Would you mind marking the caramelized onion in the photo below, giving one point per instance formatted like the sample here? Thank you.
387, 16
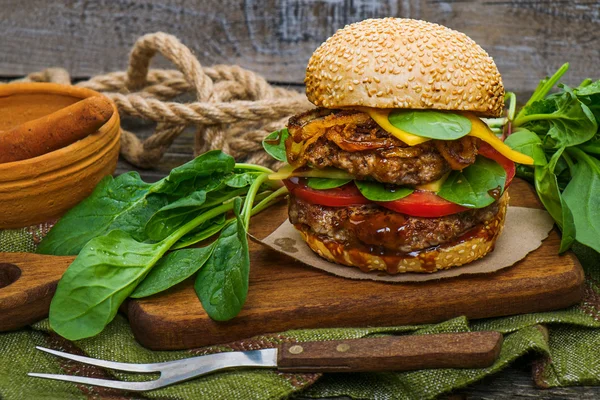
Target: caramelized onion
458, 153
402, 152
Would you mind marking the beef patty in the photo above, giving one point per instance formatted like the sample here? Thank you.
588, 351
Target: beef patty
383, 230
351, 140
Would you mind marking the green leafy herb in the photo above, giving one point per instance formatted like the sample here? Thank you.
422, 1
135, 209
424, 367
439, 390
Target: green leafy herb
172, 216
582, 195
127, 203
104, 274
207, 169
547, 189
107, 270
189, 205
164, 221
222, 285
326, 183
122, 203
544, 87
528, 143
172, 269
274, 144
477, 186
376, 191
591, 147
588, 88
569, 232
570, 123
241, 180
431, 124
566, 124
201, 233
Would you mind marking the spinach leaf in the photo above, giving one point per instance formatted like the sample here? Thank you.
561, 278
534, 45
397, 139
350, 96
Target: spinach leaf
528, 143
222, 284
589, 94
525, 172
431, 124
241, 180
127, 203
102, 276
105, 272
173, 215
204, 232
376, 191
544, 88
172, 269
587, 88
116, 203
568, 229
547, 189
573, 123
569, 124
592, 146
582, 195
476, 186
274, 144
205, 170
326, 183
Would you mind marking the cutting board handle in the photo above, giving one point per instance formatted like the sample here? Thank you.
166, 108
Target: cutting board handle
393, 353
27, 284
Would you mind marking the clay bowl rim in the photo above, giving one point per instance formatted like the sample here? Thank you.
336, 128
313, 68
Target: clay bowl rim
49, 162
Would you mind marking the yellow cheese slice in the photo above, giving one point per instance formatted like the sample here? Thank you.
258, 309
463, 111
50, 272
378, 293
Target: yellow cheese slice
478, 129
434, 186
380, 115
288, 171
482, 131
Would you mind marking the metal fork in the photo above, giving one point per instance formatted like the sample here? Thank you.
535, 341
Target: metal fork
391, 353
170, 372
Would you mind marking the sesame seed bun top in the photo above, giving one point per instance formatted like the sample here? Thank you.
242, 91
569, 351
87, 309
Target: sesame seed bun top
404, 63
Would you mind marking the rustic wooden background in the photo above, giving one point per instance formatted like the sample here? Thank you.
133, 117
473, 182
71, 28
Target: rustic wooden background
528, 39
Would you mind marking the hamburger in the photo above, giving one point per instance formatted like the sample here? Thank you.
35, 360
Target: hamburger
395, 170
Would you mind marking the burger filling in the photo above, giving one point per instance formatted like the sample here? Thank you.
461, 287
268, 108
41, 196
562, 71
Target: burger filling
392, 181
352, 141
381, 230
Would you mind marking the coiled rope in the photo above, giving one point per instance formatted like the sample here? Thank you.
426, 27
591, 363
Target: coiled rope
234, 108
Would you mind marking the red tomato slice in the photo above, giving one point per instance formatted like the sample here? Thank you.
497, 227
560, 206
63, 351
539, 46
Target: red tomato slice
489, 152
346, 195
423, 204
419, 203
430, 205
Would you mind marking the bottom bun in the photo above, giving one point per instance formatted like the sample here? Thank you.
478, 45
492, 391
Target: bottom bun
474, 244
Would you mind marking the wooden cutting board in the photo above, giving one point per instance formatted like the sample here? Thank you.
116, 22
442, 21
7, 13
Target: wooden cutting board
285, 294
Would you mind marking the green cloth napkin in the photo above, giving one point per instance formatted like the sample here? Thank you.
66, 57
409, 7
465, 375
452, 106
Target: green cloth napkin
567, 342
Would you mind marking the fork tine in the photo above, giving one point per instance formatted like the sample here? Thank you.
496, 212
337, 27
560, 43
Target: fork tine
103, 363
131, 386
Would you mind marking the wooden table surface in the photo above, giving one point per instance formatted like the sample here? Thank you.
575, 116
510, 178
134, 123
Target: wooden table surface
513, 382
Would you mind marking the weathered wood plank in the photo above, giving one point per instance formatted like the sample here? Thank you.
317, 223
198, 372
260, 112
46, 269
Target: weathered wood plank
528, 39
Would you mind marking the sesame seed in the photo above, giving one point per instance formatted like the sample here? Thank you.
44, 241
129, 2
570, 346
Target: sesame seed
398, 45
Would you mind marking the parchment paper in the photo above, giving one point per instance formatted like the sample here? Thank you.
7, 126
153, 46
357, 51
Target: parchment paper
524, 230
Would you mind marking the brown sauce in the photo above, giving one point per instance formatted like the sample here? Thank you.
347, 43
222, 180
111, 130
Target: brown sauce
495, 193
356, 251
19, 108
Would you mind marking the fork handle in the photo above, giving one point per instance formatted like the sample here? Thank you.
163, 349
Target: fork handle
392, 353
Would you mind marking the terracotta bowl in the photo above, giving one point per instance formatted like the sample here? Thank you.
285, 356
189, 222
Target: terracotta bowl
45, 187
